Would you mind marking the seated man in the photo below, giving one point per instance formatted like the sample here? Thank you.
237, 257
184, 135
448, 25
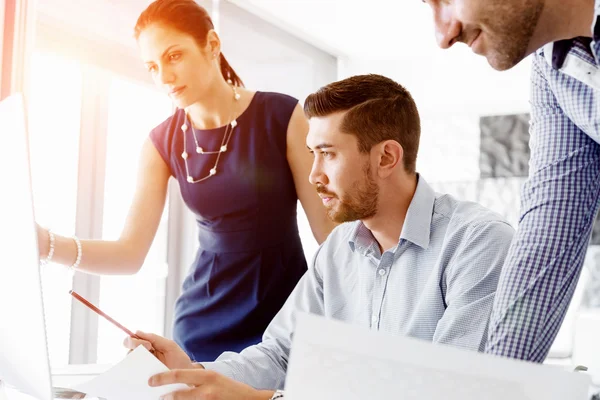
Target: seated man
405, 260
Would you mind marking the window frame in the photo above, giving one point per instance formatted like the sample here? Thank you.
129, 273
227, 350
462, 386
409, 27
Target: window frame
16, 42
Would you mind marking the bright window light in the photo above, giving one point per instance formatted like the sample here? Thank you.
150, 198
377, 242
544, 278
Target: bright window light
54, 124
137, 301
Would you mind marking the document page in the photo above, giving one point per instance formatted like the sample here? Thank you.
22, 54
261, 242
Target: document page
128, 380
334, 360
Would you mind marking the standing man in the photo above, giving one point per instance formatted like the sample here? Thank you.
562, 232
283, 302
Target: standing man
559, 201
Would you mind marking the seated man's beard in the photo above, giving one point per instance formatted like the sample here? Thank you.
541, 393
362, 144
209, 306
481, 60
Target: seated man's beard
360, 202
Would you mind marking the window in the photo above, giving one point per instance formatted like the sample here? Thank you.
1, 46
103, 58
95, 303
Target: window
54, 124
138, 301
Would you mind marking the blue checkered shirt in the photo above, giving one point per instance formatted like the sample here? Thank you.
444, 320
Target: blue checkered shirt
437, 284
559, 201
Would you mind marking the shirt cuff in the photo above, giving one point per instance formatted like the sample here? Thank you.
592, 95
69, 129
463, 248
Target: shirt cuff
219, 367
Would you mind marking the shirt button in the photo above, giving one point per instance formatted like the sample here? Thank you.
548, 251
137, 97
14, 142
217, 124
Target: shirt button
381, 271
374, 319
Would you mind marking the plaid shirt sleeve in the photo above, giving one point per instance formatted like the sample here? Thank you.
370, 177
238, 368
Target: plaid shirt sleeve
558, 206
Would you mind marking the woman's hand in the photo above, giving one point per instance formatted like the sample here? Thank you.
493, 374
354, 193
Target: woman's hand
167, 351
43, 239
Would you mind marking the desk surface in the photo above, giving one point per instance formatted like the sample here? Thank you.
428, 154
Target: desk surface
74, 374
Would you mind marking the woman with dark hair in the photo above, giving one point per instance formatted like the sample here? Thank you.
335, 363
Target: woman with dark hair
241, 163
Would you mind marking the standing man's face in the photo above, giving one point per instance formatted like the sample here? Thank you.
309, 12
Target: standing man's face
500, 30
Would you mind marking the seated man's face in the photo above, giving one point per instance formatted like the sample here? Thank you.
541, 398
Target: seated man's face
342, 175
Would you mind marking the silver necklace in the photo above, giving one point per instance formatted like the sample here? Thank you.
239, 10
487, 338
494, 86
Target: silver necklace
199, 150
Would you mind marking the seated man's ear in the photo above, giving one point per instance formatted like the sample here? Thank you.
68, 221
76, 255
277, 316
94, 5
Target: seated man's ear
390, 155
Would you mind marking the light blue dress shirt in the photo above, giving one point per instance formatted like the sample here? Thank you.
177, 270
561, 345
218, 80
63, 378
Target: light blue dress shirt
437, 284
559, 201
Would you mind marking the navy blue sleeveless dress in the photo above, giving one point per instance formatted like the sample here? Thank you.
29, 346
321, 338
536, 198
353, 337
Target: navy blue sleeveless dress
250, 256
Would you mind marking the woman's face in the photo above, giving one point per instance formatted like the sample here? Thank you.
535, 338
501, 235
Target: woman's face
178, 65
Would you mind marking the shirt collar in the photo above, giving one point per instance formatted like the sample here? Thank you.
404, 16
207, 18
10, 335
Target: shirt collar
417, 224
596, 22
560, 50
361, 238
557, 51
596, 31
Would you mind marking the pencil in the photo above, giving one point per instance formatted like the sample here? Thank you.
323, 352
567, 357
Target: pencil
101, 313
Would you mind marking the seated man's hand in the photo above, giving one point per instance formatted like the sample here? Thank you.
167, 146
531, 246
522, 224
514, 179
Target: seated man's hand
167, 351
205, 385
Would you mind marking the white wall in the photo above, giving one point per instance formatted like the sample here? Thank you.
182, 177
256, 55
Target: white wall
451, 81
351, 27
268, 58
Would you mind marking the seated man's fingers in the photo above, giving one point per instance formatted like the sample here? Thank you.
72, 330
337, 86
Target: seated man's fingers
158, 342
132, 343
184, 394
152, 351
191, 377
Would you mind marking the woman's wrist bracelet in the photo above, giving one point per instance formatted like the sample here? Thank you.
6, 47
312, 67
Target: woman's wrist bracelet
50, 248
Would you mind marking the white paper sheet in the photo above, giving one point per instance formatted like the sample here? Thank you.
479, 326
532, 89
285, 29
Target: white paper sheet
128, 380
334, 360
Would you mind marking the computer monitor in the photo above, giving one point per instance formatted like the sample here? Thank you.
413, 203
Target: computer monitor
24, 361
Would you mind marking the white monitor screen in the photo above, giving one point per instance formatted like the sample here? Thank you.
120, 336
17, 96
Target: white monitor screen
23, 347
